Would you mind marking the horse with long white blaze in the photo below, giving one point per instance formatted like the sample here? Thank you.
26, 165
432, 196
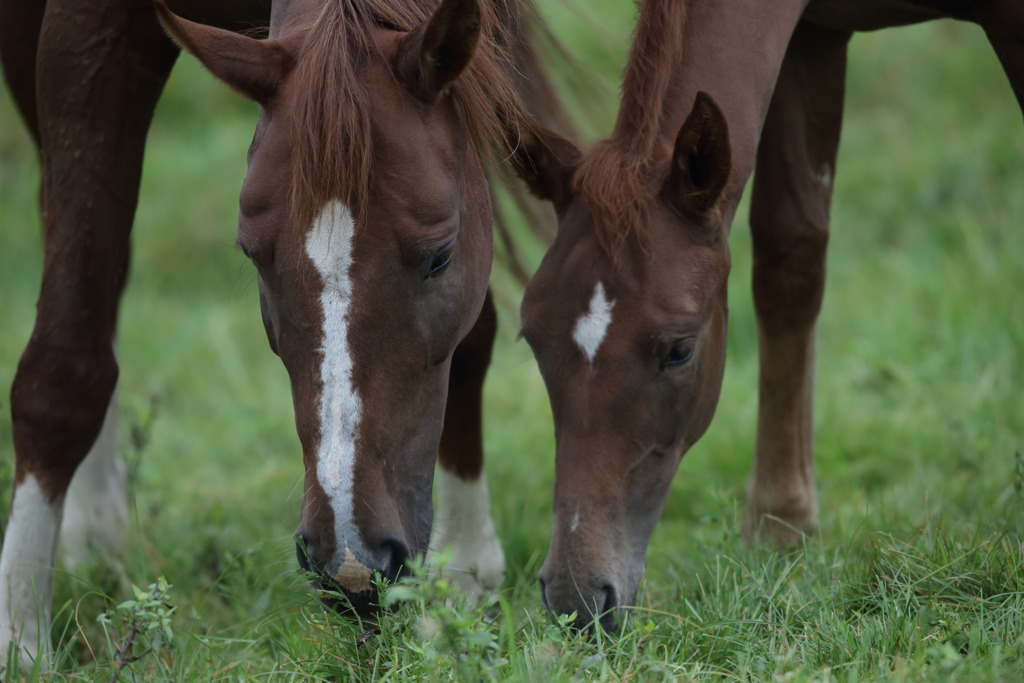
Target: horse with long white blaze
627, 312
366, 213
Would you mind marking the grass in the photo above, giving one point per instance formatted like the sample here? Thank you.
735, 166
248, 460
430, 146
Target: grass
918, 572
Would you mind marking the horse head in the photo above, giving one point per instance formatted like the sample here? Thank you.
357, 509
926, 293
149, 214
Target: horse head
365, 211
626, 316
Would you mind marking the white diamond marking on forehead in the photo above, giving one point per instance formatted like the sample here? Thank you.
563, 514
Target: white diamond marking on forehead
329, 247
592, 326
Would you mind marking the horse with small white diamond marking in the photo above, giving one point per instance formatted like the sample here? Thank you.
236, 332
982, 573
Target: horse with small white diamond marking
632, 347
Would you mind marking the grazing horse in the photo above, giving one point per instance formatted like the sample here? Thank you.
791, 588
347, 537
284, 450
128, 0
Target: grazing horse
627, 313
366, 212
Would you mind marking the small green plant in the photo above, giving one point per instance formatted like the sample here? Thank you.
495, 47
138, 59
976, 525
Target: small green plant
143, 628
449, 633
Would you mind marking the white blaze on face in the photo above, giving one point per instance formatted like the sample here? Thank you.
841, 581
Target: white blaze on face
592, 326
329, 247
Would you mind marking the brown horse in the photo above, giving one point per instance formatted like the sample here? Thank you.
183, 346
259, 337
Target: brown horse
627, 313
366, 213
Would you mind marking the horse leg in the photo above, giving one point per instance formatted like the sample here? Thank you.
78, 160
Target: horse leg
96, 511
96, 505
789, 221
1003, 22
101, 66
463, 517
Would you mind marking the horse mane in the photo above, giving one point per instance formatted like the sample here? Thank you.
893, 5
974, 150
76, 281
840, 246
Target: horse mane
617, 180
332, 128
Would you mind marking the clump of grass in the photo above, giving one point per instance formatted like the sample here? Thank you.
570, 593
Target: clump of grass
430, 631
444, 631
427, 630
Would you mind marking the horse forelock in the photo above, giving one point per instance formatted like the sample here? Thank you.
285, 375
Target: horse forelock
619, 179
615, 187
332, 127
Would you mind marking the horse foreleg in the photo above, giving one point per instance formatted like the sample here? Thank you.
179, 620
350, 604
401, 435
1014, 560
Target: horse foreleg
101, 66
96, 506
462, 520
789, 220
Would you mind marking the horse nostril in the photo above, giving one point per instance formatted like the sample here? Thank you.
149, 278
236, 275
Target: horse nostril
394, 551
543, 593
609, 601
607, 614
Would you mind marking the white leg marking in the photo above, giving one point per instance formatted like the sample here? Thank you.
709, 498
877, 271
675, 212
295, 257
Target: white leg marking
26, 572
329, 247
592, 326
463, 521
96, 506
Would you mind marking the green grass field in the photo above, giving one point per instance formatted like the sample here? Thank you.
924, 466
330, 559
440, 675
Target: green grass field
918, 572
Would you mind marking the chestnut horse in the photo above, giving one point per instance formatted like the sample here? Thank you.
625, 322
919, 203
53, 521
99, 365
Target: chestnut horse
366, 213
627, 312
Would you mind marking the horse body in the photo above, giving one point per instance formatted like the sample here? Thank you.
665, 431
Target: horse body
366, 213
712, 90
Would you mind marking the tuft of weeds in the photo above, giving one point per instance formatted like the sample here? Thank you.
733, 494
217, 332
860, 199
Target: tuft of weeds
446, 632
138, 628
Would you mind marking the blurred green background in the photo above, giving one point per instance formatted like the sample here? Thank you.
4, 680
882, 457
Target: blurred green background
920, 413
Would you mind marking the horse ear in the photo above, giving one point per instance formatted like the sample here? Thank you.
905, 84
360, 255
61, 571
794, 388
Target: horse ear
434, 53
255, 68
546, 162
702, 159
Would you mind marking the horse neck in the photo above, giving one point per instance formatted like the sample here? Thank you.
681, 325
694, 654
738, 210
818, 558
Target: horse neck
733, 50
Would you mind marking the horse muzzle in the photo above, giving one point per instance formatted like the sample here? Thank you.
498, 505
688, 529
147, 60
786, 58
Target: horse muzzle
595, 600
347, 581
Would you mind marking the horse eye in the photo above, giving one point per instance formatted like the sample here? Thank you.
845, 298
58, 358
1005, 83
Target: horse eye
680, 353
440, 262
260, 256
